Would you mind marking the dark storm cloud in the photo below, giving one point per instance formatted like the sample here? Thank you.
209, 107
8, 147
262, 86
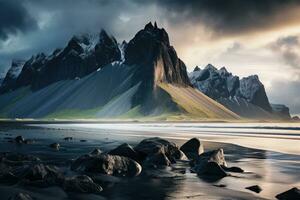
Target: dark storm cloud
288, 48
14, 18
55, 21
229, 16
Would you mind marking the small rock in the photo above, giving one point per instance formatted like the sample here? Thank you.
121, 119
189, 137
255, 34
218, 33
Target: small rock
21, 196
291, 194
29, 141
125, 150
233, 169
96, 151
254, 188
192, 148
220, 185
68, 138
55, 146
82, 184
19, 139
82, 140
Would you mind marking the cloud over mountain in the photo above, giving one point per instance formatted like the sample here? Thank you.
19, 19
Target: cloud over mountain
14, 18
231, 16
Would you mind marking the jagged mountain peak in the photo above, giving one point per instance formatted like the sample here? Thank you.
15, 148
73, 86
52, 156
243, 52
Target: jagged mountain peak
104, 37
9, 82
252, 89
220, 84
150, 51
16, 68
223, 71
210, 67
155, 33
40, 57
196, 69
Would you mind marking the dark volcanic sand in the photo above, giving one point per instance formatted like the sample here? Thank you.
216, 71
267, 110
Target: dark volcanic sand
274, 172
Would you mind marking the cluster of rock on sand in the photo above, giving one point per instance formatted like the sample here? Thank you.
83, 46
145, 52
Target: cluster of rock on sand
123, 161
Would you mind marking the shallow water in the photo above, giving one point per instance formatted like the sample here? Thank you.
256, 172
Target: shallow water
269, 153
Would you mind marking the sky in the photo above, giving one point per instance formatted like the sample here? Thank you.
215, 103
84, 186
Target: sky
246, 36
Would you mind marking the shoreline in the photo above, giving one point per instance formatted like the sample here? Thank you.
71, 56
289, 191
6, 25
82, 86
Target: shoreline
133, 121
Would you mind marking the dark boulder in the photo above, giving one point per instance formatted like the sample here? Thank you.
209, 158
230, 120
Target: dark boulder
125, 150
157, 160
291, 194
212, 156
68, 138
38, 175
192, 148
107, 164
19, 139
211, 169
55, 146
254, 188
151, 146
210, 164
81, 184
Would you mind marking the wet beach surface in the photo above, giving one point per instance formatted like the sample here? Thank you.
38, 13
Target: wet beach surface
274, 172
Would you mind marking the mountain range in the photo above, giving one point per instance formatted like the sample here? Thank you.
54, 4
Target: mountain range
94, 76
246, 97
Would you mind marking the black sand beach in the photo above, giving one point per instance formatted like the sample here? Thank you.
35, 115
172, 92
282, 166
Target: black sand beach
274, 172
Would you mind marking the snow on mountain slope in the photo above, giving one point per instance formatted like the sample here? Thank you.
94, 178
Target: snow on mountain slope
195, 103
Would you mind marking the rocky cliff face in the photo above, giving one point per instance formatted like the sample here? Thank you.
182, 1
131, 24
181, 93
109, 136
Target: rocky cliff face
82, 55
155, 61
151, 52
281, 110
9, 81
232, 92
215, 83
254, 91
